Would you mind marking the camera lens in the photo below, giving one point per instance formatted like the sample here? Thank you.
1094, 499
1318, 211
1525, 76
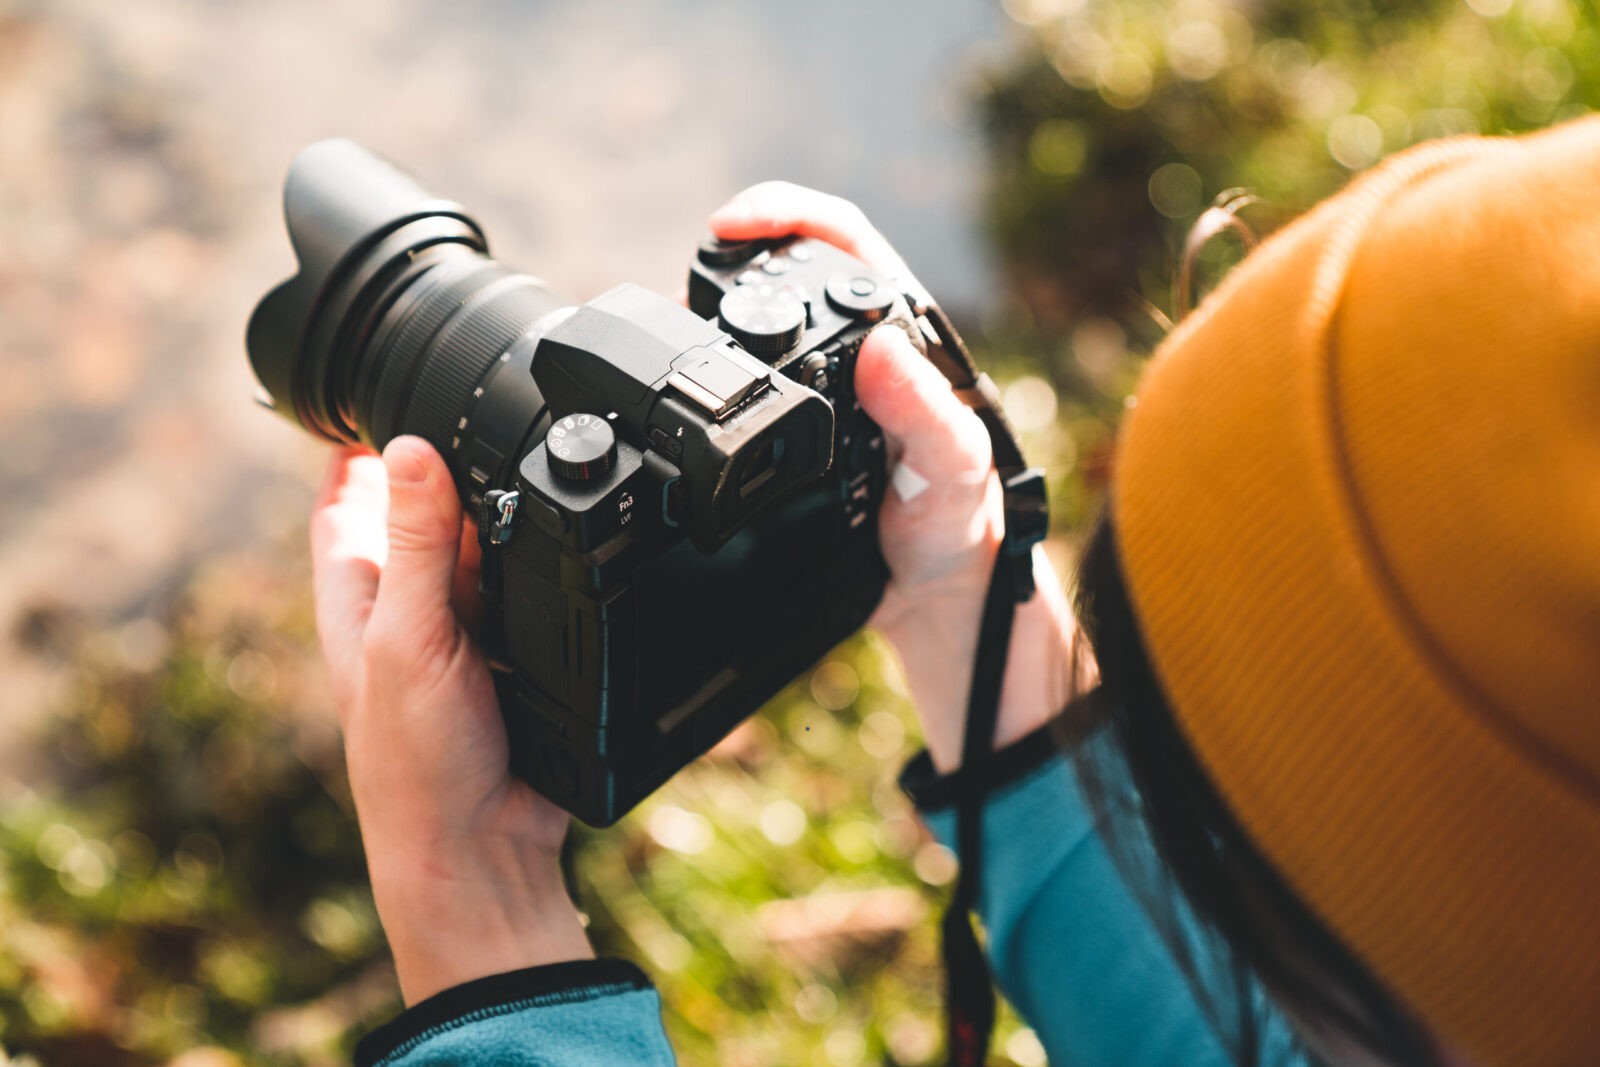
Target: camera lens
437, 342
398, 321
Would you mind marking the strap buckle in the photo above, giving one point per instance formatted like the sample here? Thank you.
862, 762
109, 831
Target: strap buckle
1027, 507
503, 515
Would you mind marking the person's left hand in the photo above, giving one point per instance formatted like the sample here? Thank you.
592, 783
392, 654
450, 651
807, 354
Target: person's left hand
464, 858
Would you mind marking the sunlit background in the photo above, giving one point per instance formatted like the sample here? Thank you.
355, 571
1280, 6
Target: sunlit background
180, 880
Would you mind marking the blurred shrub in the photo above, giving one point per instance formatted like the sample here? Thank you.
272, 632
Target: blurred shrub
1113, 122
194, 880
193, 877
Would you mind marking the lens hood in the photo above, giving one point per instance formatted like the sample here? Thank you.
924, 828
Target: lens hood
355, 221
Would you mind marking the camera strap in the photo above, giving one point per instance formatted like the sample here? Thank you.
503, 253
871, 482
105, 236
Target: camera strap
969, 985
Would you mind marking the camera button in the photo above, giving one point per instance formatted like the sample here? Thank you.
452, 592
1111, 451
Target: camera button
860, 295
767, 320
665, 441
715, 252
545, 516
814, 372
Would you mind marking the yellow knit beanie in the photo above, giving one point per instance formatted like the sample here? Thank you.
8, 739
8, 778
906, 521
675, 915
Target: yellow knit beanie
1358, 507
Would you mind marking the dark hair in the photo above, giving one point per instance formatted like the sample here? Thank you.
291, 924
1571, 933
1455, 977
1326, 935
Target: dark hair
1229, 917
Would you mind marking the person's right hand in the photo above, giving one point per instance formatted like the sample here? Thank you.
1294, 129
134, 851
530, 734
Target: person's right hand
941, 527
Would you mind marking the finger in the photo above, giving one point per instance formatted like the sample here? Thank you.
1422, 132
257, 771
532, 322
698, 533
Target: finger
775, 209
934, 433
465, 600
412, 610
347, 553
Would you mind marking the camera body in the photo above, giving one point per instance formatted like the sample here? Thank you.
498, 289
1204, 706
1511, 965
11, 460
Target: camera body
635, 638
677, 506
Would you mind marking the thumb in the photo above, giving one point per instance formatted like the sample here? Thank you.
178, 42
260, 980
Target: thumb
937, 435
424, 544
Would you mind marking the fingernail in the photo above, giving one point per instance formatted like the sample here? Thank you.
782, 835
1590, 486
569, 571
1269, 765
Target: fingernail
733, 211
898, 346
895, 334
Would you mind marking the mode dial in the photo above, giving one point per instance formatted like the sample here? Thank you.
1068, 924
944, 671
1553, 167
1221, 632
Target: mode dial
581, 448
766, 318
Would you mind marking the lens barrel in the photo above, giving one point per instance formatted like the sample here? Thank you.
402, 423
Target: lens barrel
397, 318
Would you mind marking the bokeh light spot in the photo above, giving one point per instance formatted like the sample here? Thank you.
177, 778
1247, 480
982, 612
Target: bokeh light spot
935, 864
1125, 80
1175, 190
835, 685
1025, 1048
1059, 147
1031, 403
1355, 141
815, 1003
682, 831
1197, 49
783, 822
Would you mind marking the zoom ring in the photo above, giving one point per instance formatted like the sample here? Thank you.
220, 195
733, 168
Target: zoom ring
413, 341
465, 349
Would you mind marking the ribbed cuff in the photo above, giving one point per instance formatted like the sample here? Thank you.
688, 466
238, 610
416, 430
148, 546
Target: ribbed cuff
932, 791
565, 983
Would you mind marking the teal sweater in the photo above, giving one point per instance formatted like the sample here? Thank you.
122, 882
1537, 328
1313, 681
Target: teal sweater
1071, 948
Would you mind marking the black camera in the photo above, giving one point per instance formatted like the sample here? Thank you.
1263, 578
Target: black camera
677, 506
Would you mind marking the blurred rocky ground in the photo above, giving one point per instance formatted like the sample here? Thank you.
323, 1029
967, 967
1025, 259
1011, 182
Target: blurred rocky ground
141, 151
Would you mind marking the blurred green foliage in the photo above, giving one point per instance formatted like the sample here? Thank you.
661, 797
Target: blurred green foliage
191, 887
194, 883
194, 877
1115, 121
1112, 124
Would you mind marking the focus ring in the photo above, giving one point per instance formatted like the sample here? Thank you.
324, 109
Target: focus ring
412, 341
462, 353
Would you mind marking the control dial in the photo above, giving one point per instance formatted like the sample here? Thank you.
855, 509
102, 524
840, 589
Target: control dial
715, 252
767, 319
581, 448
860, 295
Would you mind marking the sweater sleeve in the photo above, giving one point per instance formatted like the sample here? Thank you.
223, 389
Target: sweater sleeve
588, 1013
1071, 947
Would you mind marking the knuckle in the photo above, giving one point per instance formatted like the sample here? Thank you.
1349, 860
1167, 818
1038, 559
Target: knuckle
322, 528
411, 648
422, 526
971, 440
418, 536
771, 196
382, 645
851, 216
